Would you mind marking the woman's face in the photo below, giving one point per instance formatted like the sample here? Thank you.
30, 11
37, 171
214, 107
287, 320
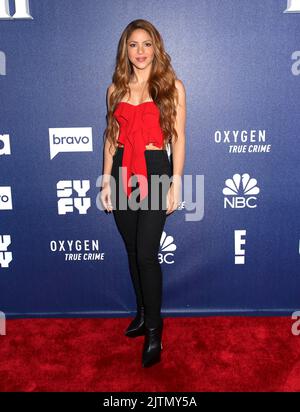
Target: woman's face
140, 48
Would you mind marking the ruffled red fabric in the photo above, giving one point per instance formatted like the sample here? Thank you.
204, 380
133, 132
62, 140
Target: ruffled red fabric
138, 126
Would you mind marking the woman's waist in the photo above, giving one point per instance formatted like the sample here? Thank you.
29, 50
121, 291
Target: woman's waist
155, 155
149, 146
156, 161
153, 152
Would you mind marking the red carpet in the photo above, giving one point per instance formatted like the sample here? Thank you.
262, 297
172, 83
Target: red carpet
199, 354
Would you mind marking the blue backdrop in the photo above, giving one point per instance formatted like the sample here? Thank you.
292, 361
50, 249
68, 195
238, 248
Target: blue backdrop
233, 247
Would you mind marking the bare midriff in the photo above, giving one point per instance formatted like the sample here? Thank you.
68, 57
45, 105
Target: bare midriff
150, 146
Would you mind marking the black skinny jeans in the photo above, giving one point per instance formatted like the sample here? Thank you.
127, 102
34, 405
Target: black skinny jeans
141, 231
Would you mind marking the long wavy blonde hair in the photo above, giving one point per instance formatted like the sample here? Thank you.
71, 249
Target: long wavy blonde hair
161, 83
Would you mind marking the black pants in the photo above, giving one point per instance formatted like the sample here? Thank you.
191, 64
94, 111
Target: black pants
141, 230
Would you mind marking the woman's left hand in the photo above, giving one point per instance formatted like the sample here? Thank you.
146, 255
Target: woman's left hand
173, 197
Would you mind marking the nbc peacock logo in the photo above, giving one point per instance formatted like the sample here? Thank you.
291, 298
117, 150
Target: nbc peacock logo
167, 249
240, 191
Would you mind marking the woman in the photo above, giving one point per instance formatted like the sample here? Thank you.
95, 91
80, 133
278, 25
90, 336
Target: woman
146, 112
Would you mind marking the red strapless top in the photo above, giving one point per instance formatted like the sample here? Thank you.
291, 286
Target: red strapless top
138, 126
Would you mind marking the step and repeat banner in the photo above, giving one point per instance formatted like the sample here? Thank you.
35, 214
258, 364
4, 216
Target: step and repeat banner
232, 247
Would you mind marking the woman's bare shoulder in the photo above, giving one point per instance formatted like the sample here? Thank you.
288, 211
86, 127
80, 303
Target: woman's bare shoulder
181, 92
110, 89
180, 86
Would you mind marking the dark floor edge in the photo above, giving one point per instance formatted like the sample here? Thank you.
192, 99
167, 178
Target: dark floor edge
167, 313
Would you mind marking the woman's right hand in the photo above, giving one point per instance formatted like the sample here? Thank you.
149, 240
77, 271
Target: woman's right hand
105, 197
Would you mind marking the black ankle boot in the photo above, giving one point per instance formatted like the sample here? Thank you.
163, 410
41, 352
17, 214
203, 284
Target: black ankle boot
152, 345
137, 326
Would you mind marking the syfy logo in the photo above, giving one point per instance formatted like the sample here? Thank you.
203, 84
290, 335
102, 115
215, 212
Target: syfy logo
21, 10
239, 253
233, 188
167, 247
2, 64
5, 198
5, 256
293, 6
4, 144
67, 203
70, 139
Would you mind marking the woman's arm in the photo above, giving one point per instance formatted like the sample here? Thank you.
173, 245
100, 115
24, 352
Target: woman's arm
174, 196
108, 157
178, 147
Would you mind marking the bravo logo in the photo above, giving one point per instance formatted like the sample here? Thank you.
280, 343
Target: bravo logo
239, 192
5, 198
22, 10
70, 139
4, 144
